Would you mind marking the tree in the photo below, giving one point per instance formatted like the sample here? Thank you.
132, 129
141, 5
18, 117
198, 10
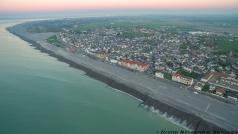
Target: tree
206, 87
168, 76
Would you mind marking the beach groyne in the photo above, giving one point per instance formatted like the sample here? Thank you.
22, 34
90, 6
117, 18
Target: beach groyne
192, 121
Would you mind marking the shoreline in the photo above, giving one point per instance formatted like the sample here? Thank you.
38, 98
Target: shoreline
196, 123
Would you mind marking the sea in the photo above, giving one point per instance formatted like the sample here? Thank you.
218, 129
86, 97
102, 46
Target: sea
41, 95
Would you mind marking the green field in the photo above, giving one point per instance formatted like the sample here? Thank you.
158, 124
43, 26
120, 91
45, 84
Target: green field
54, 41
226, 45
188, 74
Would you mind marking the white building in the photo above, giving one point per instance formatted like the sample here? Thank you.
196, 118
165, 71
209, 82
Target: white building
199, 85
159, 75
182, 79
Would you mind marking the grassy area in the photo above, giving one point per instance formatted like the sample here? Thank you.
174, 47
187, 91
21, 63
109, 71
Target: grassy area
120, 23
152, 25
88, 27
45, 26
206, 87
188, 74
42, 29
131, 34
174, 24
226, 45
183, 46
168, 76
54, 41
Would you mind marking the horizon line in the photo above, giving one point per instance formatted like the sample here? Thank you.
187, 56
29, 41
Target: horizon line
115, 12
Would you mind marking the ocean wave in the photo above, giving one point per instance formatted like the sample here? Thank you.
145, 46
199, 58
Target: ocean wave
175, 120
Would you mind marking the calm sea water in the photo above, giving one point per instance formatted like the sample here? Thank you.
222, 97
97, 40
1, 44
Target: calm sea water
40, 95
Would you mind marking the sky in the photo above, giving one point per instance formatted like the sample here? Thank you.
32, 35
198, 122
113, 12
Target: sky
67, 5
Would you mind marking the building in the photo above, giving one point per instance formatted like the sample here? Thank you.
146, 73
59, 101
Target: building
72, 49
229, 82
159, 75
212, 88
199, 86
188, 69
102, 56
182, 79
220, 91
207, 77
113, 61
134, 65
224, 81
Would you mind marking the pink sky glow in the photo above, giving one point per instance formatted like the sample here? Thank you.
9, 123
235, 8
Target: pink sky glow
62, 5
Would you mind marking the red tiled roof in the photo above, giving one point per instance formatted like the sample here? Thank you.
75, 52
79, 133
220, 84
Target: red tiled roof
220, 90
135, 62
215, 74
181, 76
208, 75
176, 74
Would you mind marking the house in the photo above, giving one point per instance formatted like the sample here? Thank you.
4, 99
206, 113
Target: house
224, 80
72, 49
113, 61
159, 75
212, 88
102, 56
160, 68
188, 69
229, 82
220, 91
207, 77
199, 86
182, 79
134, 65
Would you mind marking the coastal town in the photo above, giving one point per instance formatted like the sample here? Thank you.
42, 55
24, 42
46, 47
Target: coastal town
119, 66
175, 70
190, 58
